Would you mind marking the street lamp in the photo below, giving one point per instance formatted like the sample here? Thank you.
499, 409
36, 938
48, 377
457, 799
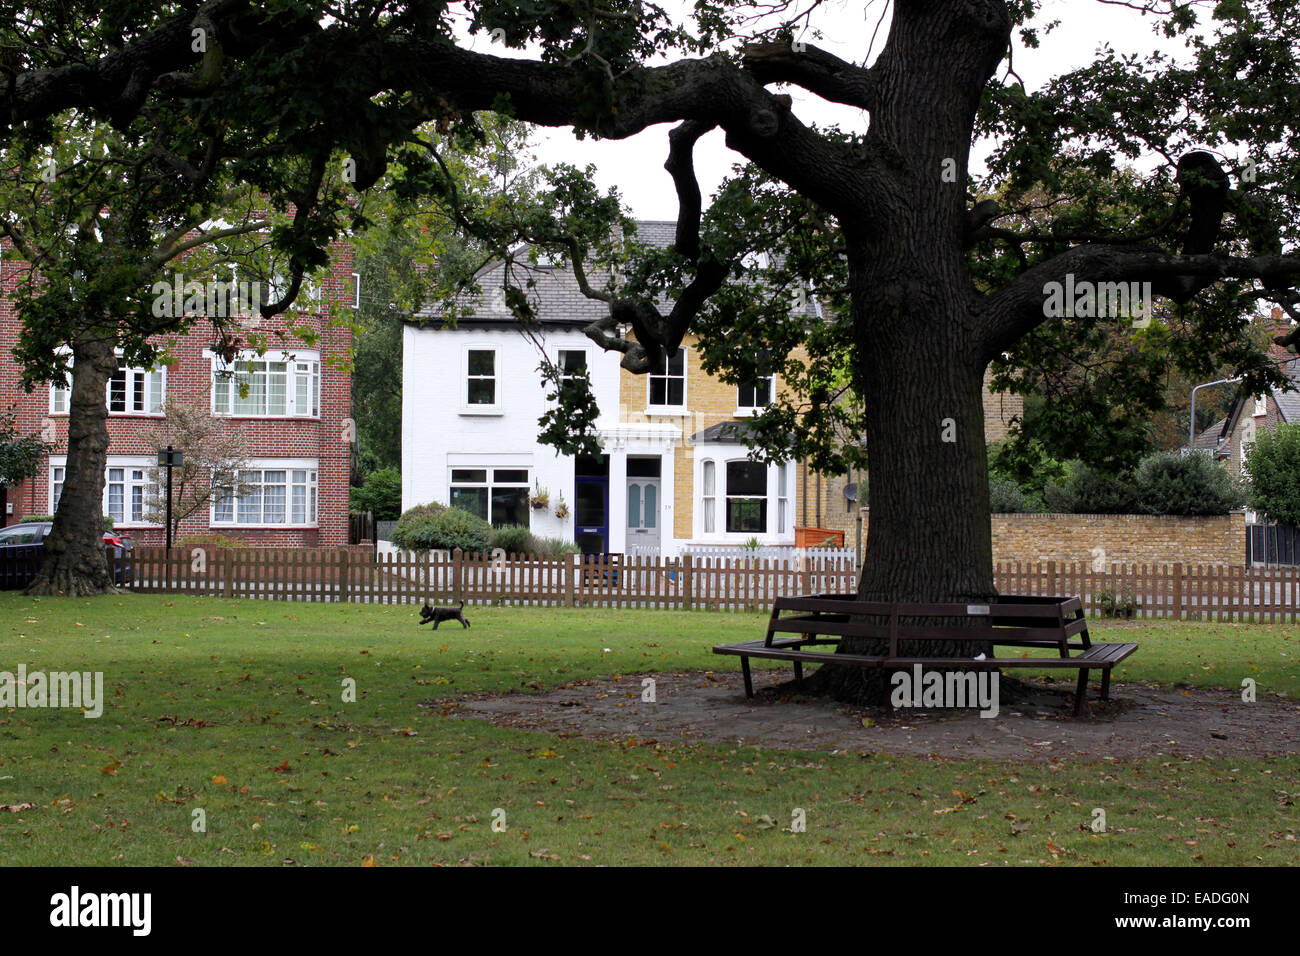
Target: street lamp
1191, 430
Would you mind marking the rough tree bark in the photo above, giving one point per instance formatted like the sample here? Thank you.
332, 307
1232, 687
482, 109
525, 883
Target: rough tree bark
74, 561
921, 342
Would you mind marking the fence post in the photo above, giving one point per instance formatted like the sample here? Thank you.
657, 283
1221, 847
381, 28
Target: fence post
1178, 590
570, 570
456, 558
1051, 578
688, 582
227, 573
345, 576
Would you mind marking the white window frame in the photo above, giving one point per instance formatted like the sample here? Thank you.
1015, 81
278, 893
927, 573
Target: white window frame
709, 496
1261, 405
710, 512
131, 483
497, 379
61, 396
653, 409
745, 410
490, 481
310, 483
298, 365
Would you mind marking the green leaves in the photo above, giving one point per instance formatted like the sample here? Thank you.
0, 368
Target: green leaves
1273, 462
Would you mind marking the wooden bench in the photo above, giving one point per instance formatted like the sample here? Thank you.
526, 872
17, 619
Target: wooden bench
1014, 621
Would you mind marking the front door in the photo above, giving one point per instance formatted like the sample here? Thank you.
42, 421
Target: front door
642, 514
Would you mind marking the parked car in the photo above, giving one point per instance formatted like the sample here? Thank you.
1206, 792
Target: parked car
22, 549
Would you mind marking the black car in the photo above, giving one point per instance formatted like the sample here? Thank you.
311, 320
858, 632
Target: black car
22, 549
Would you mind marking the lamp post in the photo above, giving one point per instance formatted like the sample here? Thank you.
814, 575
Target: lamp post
1191, 430
170, 458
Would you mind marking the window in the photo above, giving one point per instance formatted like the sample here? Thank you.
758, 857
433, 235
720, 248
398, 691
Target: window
497, 495
755, 396
709, 498
782, 497
1261, 405
481, 385
266, 387
283, 495
136, 391
130, 391
746, 497
669, 389
129, 495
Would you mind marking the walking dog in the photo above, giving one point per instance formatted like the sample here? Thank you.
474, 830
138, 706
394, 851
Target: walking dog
439, 614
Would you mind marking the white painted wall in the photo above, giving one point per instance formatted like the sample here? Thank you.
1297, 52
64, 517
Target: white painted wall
440, 430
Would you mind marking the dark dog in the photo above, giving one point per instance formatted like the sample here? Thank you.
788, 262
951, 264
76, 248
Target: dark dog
439, 614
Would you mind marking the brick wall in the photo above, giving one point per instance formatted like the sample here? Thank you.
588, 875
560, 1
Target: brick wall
1125, 539
189, 380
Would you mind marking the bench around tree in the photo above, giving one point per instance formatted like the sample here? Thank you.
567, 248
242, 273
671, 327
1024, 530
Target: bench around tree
1015, 621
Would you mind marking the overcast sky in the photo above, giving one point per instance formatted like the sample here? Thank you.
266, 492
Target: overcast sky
635, 165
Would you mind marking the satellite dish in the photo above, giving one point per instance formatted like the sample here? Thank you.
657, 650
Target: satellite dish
851, 491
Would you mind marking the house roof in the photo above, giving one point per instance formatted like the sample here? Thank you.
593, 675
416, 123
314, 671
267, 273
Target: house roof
1288, 403
1210, 439
555, 295
724, 433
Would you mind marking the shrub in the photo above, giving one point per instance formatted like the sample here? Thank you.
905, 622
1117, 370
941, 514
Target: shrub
1086, 491
380, 493
413, 521
1273, 462
444, 529
213, 540
1007, 497
1195, 484
555, 547
513, 539
1123, 604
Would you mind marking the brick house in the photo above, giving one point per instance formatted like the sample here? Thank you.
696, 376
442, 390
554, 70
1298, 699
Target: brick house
673, 470
295, 419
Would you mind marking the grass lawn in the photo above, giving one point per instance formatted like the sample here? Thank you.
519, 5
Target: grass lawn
235, 708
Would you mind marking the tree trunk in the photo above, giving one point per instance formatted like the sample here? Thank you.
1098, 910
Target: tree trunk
74, 561
921, 369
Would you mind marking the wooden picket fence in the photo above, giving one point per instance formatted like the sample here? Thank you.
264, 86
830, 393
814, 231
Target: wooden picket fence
1176, 592
304, 574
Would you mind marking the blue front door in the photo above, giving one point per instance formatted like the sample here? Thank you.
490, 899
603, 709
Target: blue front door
591, 514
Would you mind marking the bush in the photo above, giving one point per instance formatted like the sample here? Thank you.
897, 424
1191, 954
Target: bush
1273, 462
413, 522
1122, 604
441, 528
380, 493
513, 539
1007, 497
1086, 491
213, 540
1195, 484
555, 547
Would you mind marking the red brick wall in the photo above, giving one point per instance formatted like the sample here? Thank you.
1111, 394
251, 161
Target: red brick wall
189, 380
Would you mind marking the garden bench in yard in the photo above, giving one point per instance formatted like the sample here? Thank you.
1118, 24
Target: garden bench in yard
1021, 621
